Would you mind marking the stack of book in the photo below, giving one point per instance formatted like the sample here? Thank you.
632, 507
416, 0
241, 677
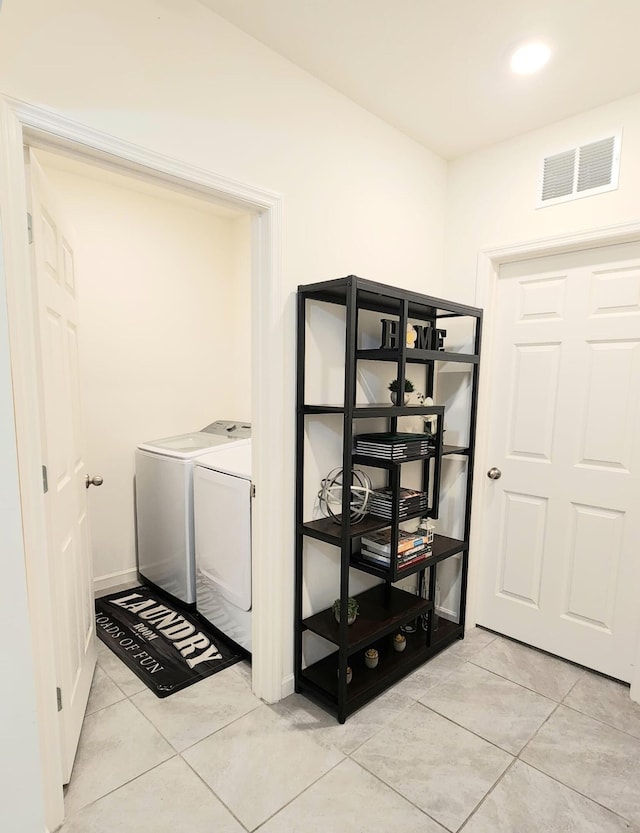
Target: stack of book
393, 446
375, 547
410, 503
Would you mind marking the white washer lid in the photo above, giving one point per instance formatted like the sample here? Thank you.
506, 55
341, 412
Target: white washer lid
185, 446
234, 459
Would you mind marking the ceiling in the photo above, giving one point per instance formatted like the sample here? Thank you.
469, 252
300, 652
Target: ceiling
438, 69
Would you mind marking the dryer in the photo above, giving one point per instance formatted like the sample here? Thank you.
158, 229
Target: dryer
222, 493
164, 504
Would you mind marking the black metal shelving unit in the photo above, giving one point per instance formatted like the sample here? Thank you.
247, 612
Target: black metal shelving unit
384, 609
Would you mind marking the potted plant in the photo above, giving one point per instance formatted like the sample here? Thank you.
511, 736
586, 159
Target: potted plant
349, 674
371, 657
399, 642
352, 610
393, 387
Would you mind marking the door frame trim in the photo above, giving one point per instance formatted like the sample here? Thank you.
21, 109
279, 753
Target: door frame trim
489, 262
22, 123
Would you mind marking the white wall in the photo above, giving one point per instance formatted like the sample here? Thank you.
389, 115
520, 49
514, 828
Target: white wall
492, 194
359, 197
164, 298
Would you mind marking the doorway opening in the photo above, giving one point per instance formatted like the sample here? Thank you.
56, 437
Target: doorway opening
164, 287
23, 124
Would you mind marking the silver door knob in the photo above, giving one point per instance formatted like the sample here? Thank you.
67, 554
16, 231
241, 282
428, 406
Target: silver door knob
93, 481
494, 473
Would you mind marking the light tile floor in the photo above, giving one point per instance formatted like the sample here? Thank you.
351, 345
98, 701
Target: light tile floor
489, 737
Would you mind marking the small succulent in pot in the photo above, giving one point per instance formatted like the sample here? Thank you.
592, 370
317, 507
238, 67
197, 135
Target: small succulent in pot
393, 387
352, 610
408, 386
371, 657
399, 642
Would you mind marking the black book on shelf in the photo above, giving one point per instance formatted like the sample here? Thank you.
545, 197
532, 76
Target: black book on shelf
391, 438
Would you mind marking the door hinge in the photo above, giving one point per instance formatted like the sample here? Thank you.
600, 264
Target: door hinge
253, 490
59, 698
45, 480
30, 227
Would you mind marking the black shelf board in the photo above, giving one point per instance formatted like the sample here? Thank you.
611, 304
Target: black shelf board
441, 549
365, 566
414, 356
321, 678
454, 449
383, 298
382, 463
382, 610
367, 683
376, 409
446, 632
327, 530
324, 409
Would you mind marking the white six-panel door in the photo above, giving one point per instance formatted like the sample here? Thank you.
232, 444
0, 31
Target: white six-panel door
66, 498
560, 562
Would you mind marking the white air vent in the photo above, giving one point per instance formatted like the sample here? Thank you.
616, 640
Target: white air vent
580, 172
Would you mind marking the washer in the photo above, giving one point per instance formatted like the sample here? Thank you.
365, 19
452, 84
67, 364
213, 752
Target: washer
222, 492
164, 504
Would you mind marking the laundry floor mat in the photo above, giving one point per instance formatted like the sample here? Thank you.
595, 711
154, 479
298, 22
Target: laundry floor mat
166, 646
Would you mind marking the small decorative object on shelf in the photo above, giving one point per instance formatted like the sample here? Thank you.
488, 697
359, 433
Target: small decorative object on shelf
399, 642
371, 658
352, 610
349, 674
430, 422
411, 336
393, 387
427, 528
330, 495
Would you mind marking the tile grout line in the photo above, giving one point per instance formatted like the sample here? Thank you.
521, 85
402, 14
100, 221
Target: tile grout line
220, 728
487, 794
404, 797
213, 792
471, 731
583, 795
176, 753
522, 685
301, 793
557, 780
77, 812
599, 720
464, 728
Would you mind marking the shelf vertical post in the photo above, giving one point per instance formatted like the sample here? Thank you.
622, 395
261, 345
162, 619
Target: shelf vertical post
470, 466
300, 433
351, 338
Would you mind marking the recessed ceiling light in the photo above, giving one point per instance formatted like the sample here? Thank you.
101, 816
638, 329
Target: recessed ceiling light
530, 58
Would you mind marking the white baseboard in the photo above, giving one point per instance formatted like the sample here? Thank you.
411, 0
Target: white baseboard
115, 581
288, 685
445, 613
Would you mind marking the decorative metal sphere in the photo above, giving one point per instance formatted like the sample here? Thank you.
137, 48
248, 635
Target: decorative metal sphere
330, 495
